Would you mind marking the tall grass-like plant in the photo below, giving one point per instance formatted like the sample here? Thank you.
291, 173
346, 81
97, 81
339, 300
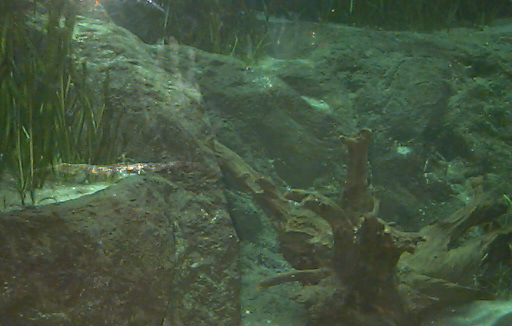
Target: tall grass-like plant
48, 114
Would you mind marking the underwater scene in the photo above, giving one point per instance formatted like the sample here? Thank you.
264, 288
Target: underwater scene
256, 162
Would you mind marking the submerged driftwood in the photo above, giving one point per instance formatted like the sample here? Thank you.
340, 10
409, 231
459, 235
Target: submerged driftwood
453, 265
347, 258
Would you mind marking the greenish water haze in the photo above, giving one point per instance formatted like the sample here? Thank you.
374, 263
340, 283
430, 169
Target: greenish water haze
280, 83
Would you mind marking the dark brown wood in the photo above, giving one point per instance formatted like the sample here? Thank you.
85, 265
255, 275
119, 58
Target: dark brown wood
359, 270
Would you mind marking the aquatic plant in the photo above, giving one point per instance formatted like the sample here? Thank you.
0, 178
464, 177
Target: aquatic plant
413, 14
503, 281
228, 27
48, 114
220, 26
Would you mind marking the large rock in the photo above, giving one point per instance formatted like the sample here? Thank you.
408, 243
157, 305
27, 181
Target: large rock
154, 249
145, 251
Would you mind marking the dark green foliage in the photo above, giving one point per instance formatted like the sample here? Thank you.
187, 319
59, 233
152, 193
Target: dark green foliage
408, 14
220, 26
48, 113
